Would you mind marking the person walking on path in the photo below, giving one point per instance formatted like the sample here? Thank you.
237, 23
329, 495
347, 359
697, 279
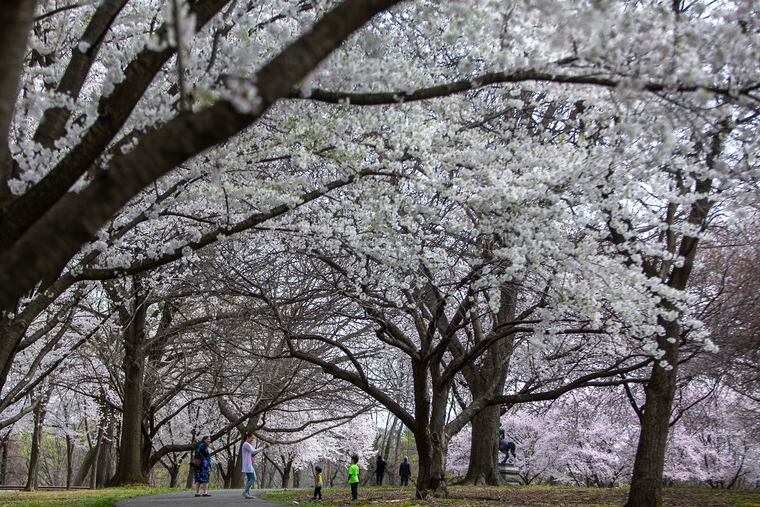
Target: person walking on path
353, 477
380, 470
405, 471
318, 484
203, 470
248, 463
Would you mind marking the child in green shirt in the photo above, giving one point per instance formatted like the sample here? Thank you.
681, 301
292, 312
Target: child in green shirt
353, 477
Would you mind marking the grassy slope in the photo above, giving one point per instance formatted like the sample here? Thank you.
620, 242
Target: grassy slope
80, 498
533, 496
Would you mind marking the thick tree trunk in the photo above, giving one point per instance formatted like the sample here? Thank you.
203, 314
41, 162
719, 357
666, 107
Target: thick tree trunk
429, 431
130, 469
430, 475
487, 379
484, 448
131, 465
646, 482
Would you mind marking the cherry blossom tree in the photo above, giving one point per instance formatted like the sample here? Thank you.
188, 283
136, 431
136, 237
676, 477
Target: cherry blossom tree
578, 151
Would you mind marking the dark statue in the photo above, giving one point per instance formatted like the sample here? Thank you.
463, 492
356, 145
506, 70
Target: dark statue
506, 447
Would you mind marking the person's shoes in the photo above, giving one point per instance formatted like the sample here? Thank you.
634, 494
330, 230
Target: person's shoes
198, 494
248, 495
205, 494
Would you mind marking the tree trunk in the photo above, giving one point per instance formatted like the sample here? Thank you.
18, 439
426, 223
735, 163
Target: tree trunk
226, 479
95, 459
39, 417
646, 482
286, 473
130, 468
296, 479
263, 473
430, 476
430, 415
484, 448
397, 447
11, 333
69, 461
174, 475
103, 462
236, 474
85, 468
4, 457
146, 451
484, 380
190, 478
14, 32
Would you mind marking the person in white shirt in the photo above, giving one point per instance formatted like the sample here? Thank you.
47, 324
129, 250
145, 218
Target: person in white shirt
248, 461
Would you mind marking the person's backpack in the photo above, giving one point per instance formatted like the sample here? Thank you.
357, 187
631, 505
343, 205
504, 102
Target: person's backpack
197, 460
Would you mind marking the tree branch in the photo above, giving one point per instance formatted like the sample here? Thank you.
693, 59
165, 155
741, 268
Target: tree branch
491, 78
162, 149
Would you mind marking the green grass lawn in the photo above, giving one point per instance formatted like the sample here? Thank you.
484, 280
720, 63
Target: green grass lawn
80, 498
532, 496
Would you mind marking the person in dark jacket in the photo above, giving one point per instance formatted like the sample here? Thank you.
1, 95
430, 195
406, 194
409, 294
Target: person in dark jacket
380, 470
203, 472
405, 471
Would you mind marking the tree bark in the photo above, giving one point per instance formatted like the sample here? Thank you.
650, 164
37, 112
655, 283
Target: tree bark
286, 473
190, 478
484, 380
103, 462
236, 474
173, 475
158, 152
131, 467
11, 334
85, 468
296, 479
429, 432
39, 418
430, 474
4, 457
646, 482
15, 24
69, 461
98, 445
484, 448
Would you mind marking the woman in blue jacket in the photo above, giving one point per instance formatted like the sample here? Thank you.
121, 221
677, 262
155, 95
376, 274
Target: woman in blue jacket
203, 472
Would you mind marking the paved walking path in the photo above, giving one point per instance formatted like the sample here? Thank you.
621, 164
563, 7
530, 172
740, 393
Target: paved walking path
219, 497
